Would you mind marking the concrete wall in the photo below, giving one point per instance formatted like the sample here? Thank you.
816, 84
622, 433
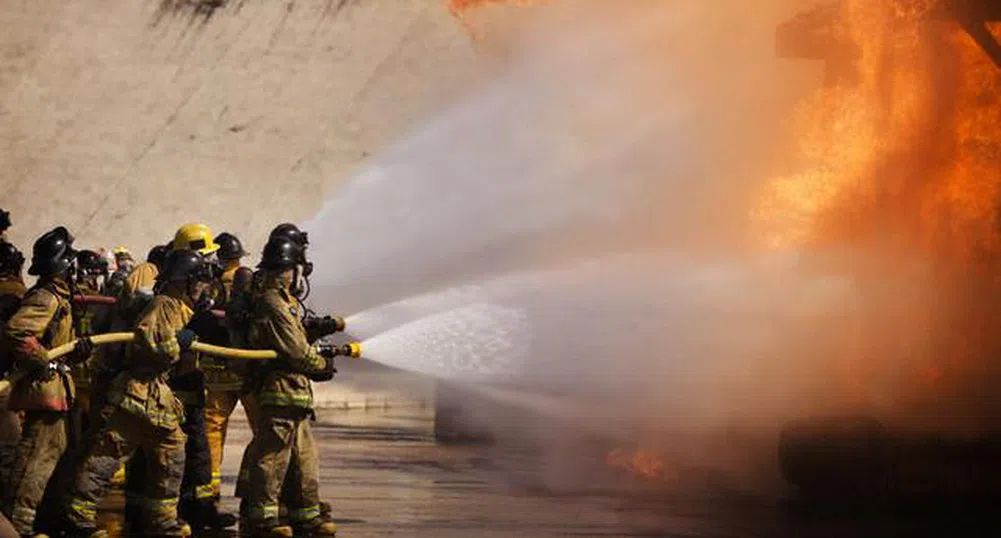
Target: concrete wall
123, 119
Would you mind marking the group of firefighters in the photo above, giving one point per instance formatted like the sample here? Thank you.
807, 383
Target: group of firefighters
155, 410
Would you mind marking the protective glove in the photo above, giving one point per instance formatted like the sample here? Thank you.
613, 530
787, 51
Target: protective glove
186, 337
334, 323
82, 350
328, 371
328, 353
325, 326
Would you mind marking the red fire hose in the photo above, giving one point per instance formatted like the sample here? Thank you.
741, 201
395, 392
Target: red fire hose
112, 301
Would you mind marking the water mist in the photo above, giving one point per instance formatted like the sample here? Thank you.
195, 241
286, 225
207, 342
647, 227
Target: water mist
575, 229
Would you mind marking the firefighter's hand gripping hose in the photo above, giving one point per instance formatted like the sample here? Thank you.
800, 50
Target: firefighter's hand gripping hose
352, 350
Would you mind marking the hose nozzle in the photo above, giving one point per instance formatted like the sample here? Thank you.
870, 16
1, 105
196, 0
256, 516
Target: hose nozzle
351, 349
339, 324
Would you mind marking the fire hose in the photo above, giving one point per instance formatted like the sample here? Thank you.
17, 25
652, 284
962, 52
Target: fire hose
352, 350
112, 301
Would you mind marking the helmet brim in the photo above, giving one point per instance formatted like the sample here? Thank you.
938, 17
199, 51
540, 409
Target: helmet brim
209, 249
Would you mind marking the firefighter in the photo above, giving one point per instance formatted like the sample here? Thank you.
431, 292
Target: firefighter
11, 281
226, 385
143, 276
11, 291
230, 255
46, 391
142, 410
281, 459
123, 268
137, 289
92, 272
124, 263
199, 505
89, 319
134, 293
316, 327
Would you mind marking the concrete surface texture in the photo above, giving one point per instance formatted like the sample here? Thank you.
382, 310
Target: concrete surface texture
123, 119
385, 476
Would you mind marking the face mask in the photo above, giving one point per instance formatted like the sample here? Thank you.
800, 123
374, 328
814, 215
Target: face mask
295, 287
204, 301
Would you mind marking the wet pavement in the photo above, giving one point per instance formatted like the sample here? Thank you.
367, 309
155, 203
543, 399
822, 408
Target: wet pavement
385, 476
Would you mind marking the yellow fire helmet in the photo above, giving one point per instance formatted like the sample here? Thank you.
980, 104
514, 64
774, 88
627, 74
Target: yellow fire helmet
197, 237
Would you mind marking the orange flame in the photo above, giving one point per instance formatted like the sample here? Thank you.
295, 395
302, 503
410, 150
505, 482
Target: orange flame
912, 144
906, 158
458, 7
460, 10
641, 463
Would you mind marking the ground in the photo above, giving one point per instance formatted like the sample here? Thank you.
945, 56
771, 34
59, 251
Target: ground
385, 475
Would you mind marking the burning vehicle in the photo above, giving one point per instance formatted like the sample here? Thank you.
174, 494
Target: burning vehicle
906, 129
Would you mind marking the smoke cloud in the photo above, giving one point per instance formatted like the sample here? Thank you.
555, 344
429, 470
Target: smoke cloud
579, 230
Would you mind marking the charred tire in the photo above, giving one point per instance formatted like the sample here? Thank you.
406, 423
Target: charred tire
835, 455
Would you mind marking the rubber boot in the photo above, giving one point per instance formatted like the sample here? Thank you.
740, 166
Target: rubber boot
181, 528
316, 528
178, 529
325, 510
82, 533
64, 528
270, 528
206, 515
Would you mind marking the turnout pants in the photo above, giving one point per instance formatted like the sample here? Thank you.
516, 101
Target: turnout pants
10, 436
43, 441
120, 435
196, 482
218, 408
283, 467
78, 427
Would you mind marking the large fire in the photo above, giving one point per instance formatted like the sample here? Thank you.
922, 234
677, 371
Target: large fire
903, 158
911, 144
